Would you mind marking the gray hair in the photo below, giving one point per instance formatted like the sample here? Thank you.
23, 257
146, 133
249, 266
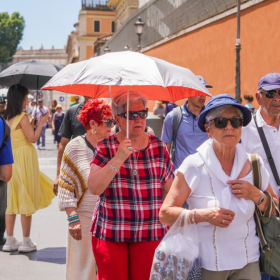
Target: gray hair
216, 112
120, 100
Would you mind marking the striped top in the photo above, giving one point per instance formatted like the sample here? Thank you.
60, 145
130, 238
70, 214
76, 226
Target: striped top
75, 167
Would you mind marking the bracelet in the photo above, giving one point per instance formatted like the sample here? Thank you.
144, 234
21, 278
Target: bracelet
261, 199
113, 167
74, 221
193, 214
73, 216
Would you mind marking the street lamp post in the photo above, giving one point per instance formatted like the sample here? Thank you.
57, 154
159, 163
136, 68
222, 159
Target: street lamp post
107, 50
237, 48
139, 25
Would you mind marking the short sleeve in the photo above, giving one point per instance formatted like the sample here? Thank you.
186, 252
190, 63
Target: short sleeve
167, 169
190, 171
99, 158
66, 128
6, 154
167, 130
264, 175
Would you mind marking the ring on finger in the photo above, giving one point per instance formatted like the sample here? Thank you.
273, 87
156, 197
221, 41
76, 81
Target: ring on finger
239, 191
223, 221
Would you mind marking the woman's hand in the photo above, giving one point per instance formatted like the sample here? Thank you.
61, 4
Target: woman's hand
75, 230
123, 152
215, 216
243, 189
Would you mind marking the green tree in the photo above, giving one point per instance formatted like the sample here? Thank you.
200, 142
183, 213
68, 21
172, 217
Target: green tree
11, 31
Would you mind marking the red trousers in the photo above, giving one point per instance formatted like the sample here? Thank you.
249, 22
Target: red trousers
123, 261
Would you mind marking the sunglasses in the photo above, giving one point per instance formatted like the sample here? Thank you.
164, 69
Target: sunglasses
133, 115
235, 122
109, 122
271, 93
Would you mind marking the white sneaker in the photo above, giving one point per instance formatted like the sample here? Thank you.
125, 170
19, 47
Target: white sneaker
37, 147
26, 248
10, 247
43, 148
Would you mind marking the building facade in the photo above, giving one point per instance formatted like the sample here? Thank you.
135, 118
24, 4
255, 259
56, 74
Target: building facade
56, 56
124, 9
96, 20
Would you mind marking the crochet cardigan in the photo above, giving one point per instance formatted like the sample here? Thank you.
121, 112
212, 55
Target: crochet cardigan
74, 173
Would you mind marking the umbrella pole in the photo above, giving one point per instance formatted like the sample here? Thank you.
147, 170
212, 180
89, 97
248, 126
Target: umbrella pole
127, 111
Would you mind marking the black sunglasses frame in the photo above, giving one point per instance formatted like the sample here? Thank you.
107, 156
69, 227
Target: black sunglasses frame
109, 122
270, 93
143, 114
235, 122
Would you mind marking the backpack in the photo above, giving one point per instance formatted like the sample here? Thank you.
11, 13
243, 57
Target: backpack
177, 119
6, 135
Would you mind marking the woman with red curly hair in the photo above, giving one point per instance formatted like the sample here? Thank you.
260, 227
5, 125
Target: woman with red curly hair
74, 195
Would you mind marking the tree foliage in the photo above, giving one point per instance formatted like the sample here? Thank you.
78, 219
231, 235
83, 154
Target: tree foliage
11, 31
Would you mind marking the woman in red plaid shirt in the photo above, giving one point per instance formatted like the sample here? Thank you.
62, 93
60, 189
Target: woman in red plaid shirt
132, 177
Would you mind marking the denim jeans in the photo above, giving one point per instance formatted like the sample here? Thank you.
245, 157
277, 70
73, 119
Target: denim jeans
43, 132
268, 277
3, 206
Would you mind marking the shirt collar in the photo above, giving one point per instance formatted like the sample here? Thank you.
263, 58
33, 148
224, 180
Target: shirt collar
260, 121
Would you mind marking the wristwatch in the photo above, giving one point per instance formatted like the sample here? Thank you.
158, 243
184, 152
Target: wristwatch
261, 199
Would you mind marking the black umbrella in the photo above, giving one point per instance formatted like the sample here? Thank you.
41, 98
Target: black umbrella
31, 74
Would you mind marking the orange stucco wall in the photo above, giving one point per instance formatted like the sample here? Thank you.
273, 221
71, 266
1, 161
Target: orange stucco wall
90, 52
210, 50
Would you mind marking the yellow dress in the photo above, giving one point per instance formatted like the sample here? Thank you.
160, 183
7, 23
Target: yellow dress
29, 189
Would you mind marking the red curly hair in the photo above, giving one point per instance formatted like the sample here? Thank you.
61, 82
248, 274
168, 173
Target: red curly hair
94, 109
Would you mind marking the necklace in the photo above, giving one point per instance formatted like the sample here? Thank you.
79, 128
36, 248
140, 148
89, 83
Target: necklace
134, 169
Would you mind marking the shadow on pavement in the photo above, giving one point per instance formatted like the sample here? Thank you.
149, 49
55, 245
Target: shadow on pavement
51, 255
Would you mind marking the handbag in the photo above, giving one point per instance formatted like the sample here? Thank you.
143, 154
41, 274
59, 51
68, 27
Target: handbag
177, 255
268, 227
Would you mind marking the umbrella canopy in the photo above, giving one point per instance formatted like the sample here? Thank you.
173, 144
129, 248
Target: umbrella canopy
32, 74
153, 77
3, 92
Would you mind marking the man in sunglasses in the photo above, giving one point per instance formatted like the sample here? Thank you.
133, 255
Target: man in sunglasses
188, 136
267, 118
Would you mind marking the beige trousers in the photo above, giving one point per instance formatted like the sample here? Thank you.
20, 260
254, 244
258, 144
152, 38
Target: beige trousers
80, 262
249, 272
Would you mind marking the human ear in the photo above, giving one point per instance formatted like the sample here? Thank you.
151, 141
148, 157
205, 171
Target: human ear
259, 98
207, 128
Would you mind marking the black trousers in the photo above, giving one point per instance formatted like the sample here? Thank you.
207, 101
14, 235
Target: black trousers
3, 206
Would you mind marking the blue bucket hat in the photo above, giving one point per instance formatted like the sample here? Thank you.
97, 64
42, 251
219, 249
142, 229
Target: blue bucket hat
221, 100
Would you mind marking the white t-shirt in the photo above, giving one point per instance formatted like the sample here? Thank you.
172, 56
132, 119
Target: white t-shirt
222, 248
251, 142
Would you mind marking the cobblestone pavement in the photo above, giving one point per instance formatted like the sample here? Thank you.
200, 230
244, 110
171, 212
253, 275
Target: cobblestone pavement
48, 231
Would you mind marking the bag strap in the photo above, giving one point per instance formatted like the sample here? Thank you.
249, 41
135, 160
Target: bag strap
267, 152
257, 183
7, 132
177, 119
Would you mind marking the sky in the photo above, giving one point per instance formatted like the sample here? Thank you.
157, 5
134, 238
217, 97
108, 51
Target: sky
47, 22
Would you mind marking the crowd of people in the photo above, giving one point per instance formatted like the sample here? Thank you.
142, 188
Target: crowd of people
121, 193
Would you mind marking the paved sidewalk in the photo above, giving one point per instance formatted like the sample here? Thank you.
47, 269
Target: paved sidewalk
48, 231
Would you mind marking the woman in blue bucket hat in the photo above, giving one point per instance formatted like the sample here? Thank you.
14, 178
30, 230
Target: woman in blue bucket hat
217, 184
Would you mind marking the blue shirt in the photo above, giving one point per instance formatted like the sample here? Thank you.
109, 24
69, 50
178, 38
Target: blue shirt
189, 135
6, 155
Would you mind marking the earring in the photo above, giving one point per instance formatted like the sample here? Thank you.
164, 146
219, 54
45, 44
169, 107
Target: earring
93, 131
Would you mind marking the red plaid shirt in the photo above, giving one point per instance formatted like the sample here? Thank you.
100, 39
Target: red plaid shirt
128, 209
